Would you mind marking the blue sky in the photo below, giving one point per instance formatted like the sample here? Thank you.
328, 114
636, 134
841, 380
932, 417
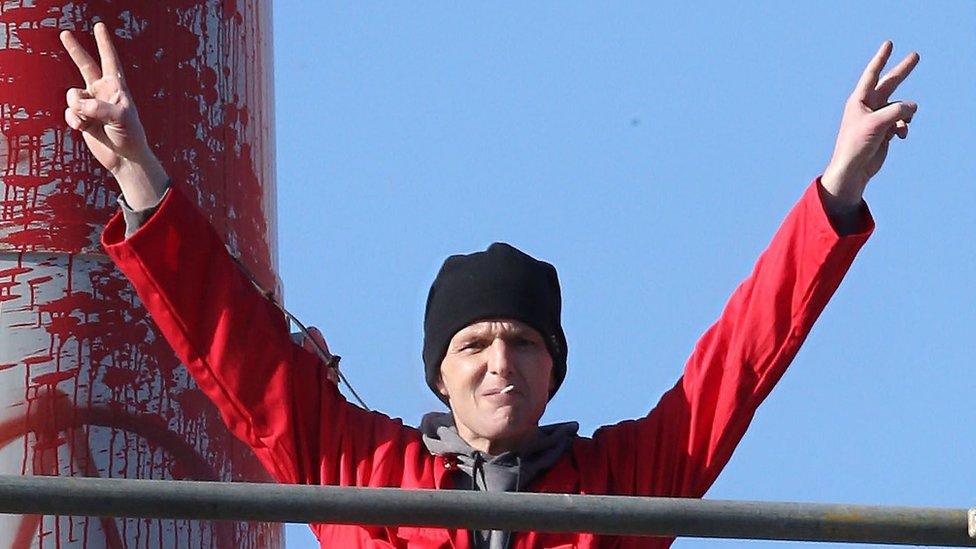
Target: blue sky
649, 151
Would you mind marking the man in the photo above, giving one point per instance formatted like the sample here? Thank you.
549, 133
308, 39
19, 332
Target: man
494, 348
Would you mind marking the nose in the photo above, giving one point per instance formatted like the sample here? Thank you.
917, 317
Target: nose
501, 359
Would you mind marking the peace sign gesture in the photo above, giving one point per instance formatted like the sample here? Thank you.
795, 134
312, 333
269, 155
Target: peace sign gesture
105, 114
868, 124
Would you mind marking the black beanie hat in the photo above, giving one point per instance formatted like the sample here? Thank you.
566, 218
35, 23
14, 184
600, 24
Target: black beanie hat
501, 282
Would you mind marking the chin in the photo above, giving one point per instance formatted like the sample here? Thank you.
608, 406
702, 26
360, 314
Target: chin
503, 430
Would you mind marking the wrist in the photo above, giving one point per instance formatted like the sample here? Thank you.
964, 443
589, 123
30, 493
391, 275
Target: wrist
142, 179
842, 190
846, 212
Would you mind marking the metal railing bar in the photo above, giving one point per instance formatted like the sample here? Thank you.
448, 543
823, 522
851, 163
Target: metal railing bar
486, 510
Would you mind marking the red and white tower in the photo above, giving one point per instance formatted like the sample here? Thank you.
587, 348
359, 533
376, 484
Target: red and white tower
87, 385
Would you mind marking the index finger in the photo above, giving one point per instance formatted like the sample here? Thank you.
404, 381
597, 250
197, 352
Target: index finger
86, 65
896, 76
106, 50
869, 78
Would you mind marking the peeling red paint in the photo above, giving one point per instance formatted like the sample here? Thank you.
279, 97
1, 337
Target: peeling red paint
53, 378
31, 360
102, 393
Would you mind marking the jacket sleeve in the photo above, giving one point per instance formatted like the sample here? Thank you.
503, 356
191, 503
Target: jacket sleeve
271, 393
680, 447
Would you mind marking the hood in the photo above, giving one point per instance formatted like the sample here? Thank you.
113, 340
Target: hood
508, 471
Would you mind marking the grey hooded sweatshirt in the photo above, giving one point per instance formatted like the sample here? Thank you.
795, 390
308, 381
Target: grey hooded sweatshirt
506, 472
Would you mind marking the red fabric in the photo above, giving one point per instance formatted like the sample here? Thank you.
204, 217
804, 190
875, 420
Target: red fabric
275, 397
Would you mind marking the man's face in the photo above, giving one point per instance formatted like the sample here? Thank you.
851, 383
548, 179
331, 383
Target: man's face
497, 375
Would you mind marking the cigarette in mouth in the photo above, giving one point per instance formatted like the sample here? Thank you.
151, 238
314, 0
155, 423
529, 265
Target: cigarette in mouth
507, 389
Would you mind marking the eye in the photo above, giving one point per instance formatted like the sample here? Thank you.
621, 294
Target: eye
473, 345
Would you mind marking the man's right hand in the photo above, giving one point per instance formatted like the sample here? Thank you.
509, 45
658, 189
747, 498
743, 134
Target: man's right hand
106, 115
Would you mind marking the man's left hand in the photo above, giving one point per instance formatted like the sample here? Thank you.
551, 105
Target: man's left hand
868, 124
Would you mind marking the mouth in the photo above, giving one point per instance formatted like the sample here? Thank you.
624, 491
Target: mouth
506, 390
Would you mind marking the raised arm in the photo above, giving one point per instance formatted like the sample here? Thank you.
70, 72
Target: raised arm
272, 393
680, 447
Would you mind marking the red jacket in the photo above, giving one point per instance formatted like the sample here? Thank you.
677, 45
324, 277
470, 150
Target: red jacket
275, 397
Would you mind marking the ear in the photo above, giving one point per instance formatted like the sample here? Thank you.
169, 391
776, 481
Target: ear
441, 388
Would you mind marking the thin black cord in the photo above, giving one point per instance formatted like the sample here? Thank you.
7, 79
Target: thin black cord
330, 360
